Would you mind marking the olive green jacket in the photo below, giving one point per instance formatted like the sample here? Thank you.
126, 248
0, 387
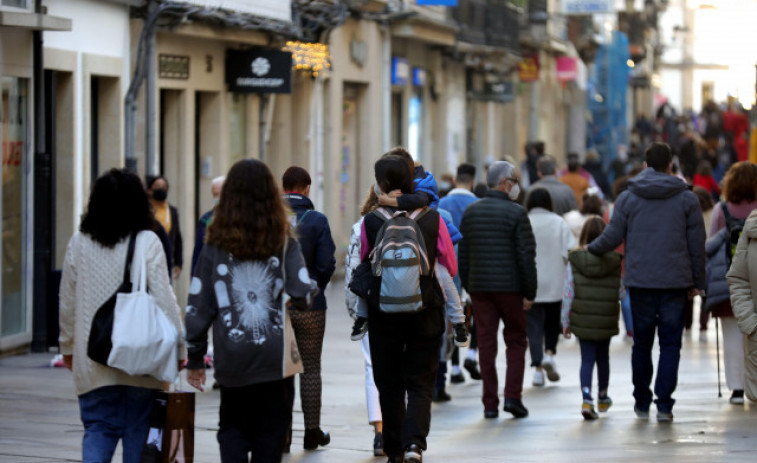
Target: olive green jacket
595, 309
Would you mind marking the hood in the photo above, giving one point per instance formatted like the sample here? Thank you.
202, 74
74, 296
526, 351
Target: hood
650, 184
298, 201
750, 226
594, 266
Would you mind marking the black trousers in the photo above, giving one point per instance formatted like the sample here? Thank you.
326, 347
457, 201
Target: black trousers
403, 364
254, 421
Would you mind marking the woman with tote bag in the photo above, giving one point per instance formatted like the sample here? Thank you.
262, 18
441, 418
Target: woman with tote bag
114, 405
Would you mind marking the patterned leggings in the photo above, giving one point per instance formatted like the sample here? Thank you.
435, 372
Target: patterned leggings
309, 328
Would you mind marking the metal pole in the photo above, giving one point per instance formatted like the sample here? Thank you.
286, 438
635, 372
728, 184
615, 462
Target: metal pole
151, 167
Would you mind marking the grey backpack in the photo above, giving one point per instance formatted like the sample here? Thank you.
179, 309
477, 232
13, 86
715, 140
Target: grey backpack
399, 260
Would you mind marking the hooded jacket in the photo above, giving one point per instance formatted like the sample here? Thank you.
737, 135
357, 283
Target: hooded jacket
717, 267
742, 282
314, 235
595, 309
661, 223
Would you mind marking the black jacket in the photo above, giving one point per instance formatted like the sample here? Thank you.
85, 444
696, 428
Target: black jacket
314, 235
175, 236
498, 250
427, 324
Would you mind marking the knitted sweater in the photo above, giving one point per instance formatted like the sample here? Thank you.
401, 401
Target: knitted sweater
91, 273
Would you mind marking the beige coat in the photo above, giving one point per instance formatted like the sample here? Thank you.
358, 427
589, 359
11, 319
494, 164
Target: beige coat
742, 284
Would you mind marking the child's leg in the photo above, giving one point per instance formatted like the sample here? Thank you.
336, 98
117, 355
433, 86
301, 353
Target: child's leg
603, 367
361, 308
588, 358
452, 299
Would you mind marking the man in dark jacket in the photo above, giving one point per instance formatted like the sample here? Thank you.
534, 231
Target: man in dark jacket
314, 236
563, 199
661, 223
498, 268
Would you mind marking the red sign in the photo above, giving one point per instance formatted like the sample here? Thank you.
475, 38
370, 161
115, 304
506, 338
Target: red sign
528, 68
567, 71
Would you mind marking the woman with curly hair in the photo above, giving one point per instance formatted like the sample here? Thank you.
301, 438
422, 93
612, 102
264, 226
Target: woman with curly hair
249, 261
740, 194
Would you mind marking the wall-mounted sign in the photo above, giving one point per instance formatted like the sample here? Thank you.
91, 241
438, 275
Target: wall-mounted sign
503, 92
259, 70
587, 6
307, 56
400, 71
419, 77
567, 69
173, 66
528, 68
358, 52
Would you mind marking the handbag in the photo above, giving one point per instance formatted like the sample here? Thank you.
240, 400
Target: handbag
144, 340
99, 344
292, 362
170, 436
362, 280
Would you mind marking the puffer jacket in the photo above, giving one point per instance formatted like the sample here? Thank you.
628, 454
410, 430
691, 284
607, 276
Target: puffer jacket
742, 282
595, 309
661, 223
498, 250
351, 261
717, 267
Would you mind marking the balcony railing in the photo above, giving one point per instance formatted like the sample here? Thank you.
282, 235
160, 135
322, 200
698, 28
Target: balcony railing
488, 22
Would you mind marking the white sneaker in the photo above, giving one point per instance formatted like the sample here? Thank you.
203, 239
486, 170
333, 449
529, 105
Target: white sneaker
538, 378
549, 366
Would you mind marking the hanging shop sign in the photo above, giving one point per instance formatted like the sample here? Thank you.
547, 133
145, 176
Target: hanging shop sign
528, 68
259, 70
419, 77
400, 71
588, 6
502, 92
567, 69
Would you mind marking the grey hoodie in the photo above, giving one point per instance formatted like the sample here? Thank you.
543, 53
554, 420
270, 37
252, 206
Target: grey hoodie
661, 223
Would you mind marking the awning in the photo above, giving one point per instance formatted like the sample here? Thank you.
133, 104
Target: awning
34, 21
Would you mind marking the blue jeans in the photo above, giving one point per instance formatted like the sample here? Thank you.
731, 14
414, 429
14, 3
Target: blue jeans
595, 352
625, 309
661, 309
111, 413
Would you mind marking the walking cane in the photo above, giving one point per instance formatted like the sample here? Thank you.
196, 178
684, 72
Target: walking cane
717, 350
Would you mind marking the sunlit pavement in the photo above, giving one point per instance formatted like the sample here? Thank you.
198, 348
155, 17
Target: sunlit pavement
39, 416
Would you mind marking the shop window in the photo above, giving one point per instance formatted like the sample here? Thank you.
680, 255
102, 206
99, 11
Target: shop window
15, 123
16, 3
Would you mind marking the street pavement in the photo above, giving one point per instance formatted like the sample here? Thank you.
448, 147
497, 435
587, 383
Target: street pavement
39, 416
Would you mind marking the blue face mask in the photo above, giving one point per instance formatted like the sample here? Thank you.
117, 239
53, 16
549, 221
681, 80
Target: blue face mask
445, 186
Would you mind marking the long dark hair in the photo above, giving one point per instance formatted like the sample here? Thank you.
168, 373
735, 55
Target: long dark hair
592, 228
118, 206
250, 221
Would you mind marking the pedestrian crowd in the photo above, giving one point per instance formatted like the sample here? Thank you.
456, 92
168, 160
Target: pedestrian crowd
430, 268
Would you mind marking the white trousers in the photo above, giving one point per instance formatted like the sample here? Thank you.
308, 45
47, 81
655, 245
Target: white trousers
371, 393
733, 353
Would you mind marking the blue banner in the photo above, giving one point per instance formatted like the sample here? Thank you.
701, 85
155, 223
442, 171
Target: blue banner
437, 2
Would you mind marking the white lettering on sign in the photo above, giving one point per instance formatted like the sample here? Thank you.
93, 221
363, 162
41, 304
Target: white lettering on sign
587, 6
259, 82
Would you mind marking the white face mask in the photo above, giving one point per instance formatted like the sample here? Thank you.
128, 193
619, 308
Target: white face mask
514, 192
377, 189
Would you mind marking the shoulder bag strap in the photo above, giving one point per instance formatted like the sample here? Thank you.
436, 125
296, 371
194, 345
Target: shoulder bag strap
129, 258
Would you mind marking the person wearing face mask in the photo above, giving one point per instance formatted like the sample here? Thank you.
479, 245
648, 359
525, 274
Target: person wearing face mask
202, 225
168, 217
497, 261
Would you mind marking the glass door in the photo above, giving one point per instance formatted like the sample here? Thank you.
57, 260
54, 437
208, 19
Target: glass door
15, 123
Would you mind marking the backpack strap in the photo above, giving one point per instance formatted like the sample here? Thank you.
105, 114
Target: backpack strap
418, 214
382, 214
726, 213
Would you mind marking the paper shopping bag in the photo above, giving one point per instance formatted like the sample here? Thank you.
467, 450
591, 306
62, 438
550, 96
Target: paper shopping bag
170, 438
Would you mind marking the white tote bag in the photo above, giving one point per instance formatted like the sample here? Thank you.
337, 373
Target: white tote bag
144, 340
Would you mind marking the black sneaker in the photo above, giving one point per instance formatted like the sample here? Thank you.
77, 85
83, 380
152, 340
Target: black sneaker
440, 395
457, 378
314, 438
359, 329
516, 407
490, 414
378, 445
413, 454
737, 397
472, 367
461, 335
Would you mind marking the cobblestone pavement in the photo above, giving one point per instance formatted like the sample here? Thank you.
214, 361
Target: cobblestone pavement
39, 420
